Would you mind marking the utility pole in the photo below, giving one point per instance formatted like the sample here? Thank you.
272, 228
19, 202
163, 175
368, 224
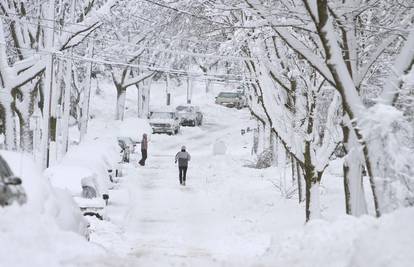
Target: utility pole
49, 32
87, 94
68, 87
168, 89
189, 89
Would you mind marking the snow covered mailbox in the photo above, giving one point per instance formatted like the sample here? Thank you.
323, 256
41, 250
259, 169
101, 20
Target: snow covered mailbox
82, 184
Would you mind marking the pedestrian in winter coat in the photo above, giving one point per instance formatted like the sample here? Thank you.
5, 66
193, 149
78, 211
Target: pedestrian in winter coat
183, 157
144, 148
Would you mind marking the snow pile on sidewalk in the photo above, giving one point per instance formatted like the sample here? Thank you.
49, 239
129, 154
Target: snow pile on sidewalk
48, 229
349, 241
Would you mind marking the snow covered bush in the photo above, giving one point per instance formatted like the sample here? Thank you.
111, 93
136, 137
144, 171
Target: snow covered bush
265, 159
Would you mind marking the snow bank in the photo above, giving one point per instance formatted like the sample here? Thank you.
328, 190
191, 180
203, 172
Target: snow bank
46, 231
349, 241
43, 199
30, 239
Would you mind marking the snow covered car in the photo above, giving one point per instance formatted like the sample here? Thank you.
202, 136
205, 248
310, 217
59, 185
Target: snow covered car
189, 115
243, 97
11, 189
41, 199
164, 122
230, 100
84, 187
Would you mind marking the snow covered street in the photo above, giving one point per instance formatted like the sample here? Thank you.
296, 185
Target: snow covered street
224, 215
292, 120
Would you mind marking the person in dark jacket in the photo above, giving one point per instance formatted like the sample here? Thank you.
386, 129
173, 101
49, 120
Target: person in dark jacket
144, 148
183, 157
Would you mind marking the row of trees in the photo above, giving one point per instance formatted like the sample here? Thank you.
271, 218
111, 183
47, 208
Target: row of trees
50, 50
327, 78
332, 79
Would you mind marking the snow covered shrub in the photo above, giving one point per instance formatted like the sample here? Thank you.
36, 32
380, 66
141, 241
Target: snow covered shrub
265, 159
391, 150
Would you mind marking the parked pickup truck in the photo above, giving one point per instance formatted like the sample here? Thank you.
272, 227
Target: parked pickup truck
230, 100
164, 122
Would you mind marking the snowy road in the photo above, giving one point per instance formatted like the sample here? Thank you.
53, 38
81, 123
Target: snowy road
224, 216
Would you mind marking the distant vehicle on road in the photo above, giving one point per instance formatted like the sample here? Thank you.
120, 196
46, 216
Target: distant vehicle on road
189, 115
230, 100
164, 122
11, 189
243, 97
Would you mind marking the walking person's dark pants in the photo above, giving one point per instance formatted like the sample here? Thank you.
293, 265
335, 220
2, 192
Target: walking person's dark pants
143, 157
182, 174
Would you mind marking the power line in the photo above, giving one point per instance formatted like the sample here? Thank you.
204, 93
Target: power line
177, 52
78, 58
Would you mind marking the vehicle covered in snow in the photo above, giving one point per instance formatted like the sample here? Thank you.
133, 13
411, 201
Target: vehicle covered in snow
189, 115
164, 121
84, 187
11, 189
39, 197
231, 100
86, 172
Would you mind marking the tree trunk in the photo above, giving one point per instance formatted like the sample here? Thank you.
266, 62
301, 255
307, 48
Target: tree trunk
140, 90
25, 110
208, 84
8, 124
299, 181
120, 102
312, 181
355, 203
66, 108
87, 89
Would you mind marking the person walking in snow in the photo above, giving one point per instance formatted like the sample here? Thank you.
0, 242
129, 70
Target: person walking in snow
144, 148
183, 157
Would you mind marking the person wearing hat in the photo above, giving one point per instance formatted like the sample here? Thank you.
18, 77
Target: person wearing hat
144, 149
183, 157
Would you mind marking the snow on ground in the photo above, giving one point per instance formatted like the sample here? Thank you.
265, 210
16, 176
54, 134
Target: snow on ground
46, 231
227, 215
232, 215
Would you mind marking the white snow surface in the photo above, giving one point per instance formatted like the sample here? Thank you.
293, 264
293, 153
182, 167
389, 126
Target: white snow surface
48, 229
134, 128
228, 214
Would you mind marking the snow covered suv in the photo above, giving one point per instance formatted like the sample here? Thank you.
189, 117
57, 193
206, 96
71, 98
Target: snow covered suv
164, 122
189, 115
11, 189
230, 100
